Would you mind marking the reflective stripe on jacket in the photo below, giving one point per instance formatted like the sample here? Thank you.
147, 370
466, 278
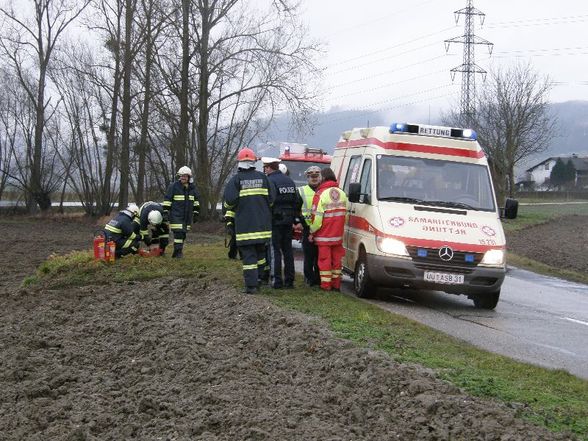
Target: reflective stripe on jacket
329, 209
123, 231
247, 198
182, 203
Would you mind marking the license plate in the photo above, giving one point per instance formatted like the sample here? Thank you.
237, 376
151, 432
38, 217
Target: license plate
448, 278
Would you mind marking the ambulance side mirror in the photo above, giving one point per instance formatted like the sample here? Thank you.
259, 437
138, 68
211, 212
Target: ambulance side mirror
511, 209
354, 192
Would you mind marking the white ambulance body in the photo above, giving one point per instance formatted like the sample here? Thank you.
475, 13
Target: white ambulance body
423, 212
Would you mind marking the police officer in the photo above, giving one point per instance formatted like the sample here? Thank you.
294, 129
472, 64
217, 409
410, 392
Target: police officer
248, 197
121, 230
327, 223
306, 194
151, 215
181, 207
284, 212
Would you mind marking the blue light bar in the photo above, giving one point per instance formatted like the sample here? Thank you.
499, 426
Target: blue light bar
438, 131
398, 127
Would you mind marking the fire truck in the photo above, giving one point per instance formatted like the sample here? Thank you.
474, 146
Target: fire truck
298, 157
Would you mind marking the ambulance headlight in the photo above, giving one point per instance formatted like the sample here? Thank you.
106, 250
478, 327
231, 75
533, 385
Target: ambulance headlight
493, 257
391, 246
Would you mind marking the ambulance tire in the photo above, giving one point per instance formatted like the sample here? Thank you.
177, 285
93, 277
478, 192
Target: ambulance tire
487, 301
362, 284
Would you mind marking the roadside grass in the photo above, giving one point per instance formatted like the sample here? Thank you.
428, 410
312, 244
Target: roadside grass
547, 270
552, 398
539, 213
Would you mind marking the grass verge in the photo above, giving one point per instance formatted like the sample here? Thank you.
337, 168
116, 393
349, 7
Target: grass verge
539, 213
547, 270
551, 398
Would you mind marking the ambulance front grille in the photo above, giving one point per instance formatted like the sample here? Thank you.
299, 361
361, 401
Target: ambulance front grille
430, 256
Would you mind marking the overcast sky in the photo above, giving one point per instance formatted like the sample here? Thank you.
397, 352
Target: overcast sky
391, 55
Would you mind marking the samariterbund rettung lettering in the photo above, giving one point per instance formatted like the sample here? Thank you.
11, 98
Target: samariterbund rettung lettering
423, 212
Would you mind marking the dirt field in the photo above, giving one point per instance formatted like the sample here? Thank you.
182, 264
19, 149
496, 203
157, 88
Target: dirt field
562, 243
192, 359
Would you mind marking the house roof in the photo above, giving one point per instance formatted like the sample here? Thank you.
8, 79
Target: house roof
580, 162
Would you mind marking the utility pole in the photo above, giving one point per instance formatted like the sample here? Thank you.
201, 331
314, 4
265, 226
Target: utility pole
468, 68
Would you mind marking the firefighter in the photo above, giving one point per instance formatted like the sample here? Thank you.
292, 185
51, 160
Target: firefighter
181, 207
121, 230
329, 209
151, 215
306, 194
248, 197
284, 212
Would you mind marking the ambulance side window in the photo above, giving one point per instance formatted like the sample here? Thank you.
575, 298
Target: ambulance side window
352, 172
366, 181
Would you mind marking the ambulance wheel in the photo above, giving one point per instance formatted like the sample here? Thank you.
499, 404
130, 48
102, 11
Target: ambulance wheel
487, 301
362, 284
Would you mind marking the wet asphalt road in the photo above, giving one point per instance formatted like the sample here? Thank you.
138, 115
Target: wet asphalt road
539, 320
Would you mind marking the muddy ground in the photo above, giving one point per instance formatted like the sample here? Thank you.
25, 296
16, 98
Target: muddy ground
562, 243
193, 359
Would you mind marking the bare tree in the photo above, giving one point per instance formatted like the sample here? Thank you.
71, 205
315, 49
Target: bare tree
28, 42
512, 121
250, 64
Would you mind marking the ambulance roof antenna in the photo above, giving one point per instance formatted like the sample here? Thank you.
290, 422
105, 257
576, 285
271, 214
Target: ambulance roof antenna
468, 68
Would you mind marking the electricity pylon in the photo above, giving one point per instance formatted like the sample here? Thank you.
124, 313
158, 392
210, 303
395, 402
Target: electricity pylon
468, 68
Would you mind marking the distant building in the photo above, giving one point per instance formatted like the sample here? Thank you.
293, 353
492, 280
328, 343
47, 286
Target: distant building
537, 177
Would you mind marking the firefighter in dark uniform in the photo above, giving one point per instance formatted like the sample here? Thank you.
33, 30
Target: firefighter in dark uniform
284, 212
248, 197
181, 207
122, 231
151, 215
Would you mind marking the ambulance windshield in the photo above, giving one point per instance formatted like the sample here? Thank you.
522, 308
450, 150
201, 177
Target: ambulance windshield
296, 170
434, 182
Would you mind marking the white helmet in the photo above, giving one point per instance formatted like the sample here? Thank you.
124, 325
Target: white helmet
155, 217
184, 171
133, 209
283, 168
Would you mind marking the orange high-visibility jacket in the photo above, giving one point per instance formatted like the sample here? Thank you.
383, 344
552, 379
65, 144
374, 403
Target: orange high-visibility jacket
329, 209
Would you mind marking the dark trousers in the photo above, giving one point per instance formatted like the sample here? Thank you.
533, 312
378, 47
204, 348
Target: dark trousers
254, 261
282, 247
311, 270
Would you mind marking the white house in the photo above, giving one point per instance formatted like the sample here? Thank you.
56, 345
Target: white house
538, 175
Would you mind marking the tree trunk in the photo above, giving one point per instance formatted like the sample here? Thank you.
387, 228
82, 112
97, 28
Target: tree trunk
42, 198
123, 196
146, 106
182, 139
111, 142
203, 170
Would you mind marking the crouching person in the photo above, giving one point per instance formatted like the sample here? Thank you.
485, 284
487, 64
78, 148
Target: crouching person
151, 218
122, 231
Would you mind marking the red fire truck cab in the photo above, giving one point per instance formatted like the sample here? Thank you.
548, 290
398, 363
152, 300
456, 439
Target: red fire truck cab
298, 157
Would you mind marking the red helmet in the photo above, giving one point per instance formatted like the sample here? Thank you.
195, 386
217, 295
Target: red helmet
246, 154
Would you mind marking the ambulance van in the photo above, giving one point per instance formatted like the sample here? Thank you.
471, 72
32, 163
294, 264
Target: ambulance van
423, 212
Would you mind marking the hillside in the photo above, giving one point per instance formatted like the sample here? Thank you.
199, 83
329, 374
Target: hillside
572, 136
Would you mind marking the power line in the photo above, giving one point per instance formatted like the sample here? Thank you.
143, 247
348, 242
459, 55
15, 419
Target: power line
386, 17
396, 98
398, 106
404, 43
383, 86
379, 74
399, 54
